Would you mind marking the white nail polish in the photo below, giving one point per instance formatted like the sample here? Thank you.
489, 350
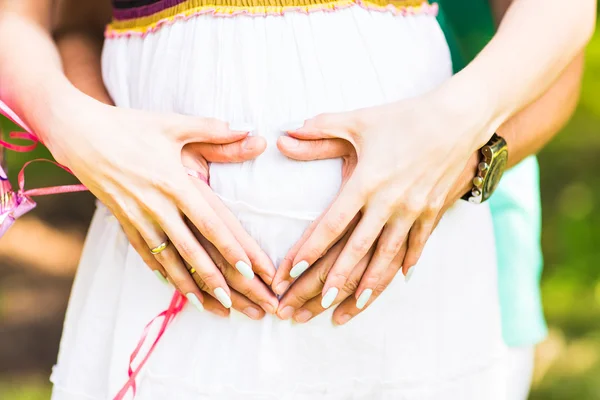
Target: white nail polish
161, 277
195, 302
329, 297
242, 127
299, 269
409, 274
244, 269
363, 299
292, 126
223, 298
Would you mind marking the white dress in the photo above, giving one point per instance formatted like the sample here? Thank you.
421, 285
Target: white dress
437, 337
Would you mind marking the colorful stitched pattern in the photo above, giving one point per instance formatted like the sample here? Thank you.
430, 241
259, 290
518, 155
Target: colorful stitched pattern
140, 17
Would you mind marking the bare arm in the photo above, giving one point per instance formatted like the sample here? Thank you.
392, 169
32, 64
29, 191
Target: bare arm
79, 35
544, 36
522, 62
532, 128
101, 145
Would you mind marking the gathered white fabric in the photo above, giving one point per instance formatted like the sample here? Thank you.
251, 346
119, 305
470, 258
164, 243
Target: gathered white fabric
437, 337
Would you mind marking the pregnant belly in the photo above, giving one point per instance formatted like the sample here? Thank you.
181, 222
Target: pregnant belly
269, 73
275, 198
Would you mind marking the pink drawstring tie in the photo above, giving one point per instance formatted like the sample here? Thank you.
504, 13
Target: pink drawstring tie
15, 204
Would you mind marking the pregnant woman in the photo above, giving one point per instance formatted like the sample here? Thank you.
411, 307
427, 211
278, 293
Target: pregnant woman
264, 68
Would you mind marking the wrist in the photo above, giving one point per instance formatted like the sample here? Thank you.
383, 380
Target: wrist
57, 104
464, 183
472, 101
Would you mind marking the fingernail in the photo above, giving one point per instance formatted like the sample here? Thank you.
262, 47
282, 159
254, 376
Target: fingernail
329, 297
195, 302
244, 269
409, 274
343, 319
282, 287
302, 316
247, 144
363, 299
286, 313
252, 312
268, 307
298, 269
161, 277
241, 127
292, 126
290, 142
223, 298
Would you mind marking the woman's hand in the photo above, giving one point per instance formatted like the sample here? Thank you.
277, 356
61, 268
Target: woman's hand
132, 161
302, 301
408, 159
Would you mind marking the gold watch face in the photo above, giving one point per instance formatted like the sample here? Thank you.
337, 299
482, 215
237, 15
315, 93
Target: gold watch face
496, 169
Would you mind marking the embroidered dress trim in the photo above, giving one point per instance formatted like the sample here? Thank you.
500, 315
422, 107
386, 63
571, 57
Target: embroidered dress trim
140, 17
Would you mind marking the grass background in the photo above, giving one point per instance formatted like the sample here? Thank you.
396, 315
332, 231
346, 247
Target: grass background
39, 255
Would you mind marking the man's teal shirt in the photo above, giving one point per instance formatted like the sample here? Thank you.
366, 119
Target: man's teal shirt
516, 205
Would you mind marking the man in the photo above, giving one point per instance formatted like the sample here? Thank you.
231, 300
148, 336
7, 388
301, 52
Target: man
516, 207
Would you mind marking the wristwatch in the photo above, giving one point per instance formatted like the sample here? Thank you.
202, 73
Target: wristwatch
492, 163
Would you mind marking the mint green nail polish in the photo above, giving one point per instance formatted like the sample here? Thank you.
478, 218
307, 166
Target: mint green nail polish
223, 298
363, 299
195, 302
329, 297
161, 277
299, 269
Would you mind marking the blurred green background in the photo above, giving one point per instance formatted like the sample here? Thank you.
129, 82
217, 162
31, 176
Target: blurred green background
39, 255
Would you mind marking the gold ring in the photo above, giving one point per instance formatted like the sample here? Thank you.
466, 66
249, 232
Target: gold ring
192, 271
160, 248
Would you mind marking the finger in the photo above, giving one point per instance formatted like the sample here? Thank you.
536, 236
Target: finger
188, 129
239, 302
389, 244
284, 277
212, 227
169, 258
213, 306
314, 307
254, 290
359, 244
183, 241
310, 283
240, 151
328, 126
308, 150
259, 261
140, 246
417, 238
242, 304
331, 226
287, 272
348, 308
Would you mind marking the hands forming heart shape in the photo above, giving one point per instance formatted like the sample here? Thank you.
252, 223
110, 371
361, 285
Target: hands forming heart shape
398, 179
396, 187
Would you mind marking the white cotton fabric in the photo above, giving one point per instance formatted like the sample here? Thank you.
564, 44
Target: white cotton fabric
520, 364
437, 337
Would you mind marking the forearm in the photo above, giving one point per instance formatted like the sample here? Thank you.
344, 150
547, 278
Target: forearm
81, 52
79, 36
532, 128
31, 77
536, 41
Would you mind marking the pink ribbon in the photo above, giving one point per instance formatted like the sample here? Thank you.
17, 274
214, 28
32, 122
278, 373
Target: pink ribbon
15, 204
177, 303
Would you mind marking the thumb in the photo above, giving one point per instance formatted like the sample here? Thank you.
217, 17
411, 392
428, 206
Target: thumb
187, 129
308, 150
240, 151
328, 126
